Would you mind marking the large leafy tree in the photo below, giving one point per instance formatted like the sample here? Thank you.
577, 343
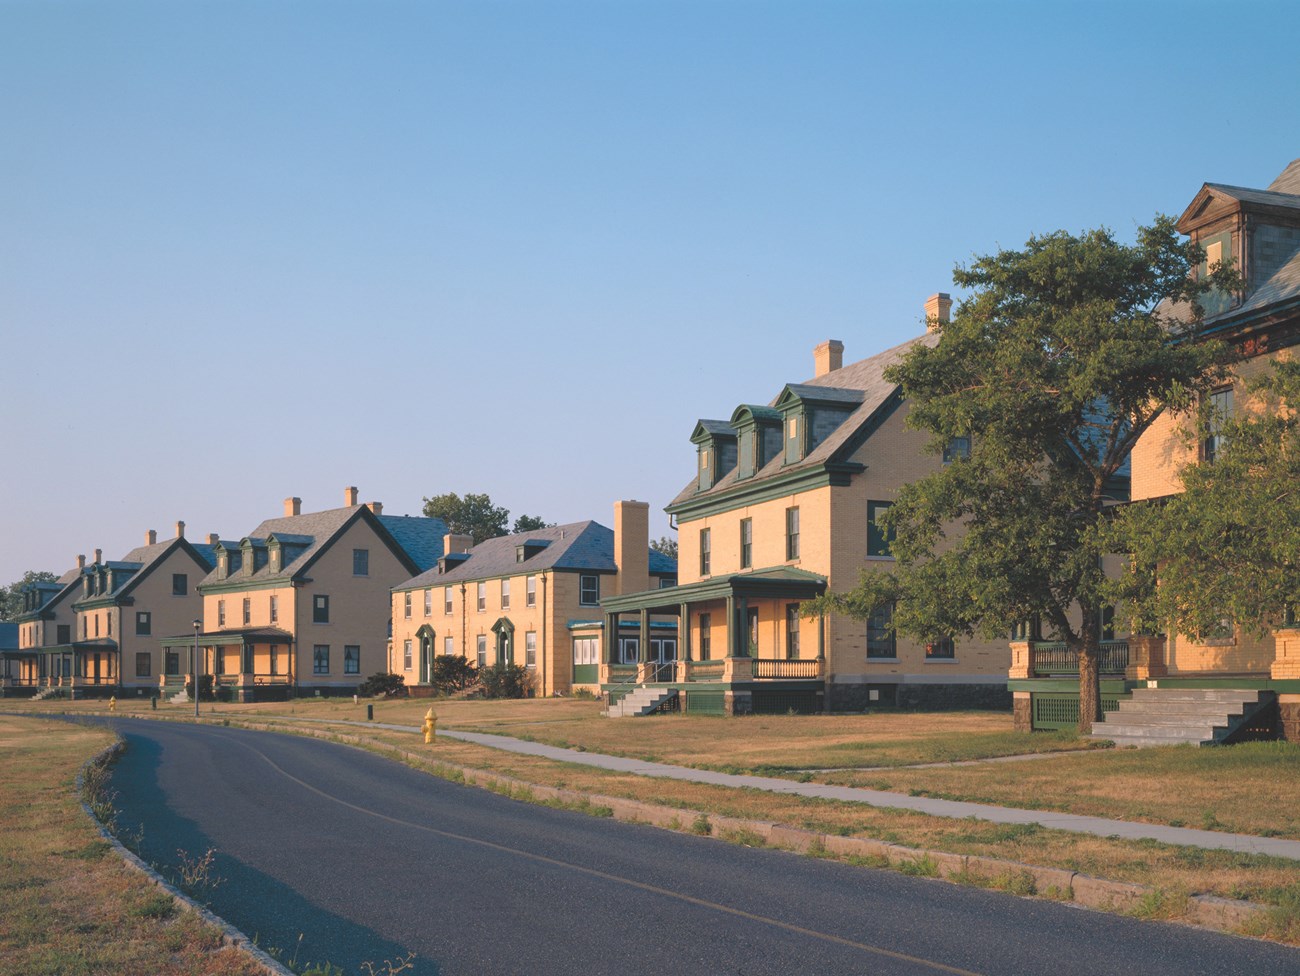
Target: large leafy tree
1226, 547
11, 596
1053, 367
665, 544
476, 516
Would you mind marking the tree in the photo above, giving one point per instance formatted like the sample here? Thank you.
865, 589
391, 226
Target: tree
11, 596
666, 545
1053, 368
1226, 547
473, 515
530, 523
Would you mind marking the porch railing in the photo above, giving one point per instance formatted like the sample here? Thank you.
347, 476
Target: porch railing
786, 668
1054, 657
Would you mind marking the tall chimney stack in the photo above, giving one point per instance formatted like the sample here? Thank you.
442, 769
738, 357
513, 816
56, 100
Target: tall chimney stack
456, 543
213, 538
151, 537
350, 496
180, 530
828, 357
292, 506
99, 553
632, 546
376, 507
81, 560
938, 308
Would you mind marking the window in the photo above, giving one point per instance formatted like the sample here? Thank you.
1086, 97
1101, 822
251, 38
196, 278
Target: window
320, 659
589, 590
143, 623
85, 624
792, 630
878, 538
275, 608
1107, 623
706, 635
792, 439
940, 649
584, 650
530, 649
446, 599
248, 611
406, 604
629, 650
530, 591
957, 449
448, 646
1219, 409
482, 597
108, 623
351, 659
881, 639
221, 613
746, 543
481, 647
667, 582
428, 603
360, 562
171, 662
320, 609
406, 655
505, 594
143, 664
792, 533
219, 660
1222, 630
180, 584
64, 633
705, 554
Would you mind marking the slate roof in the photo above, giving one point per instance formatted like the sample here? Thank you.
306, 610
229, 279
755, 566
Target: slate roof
8, 637
138, 562
419, 537
861, 383
576, 546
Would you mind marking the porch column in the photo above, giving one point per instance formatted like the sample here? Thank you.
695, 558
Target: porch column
731, 626
611, 638
742, 650
821, 637
684, 632
645, 635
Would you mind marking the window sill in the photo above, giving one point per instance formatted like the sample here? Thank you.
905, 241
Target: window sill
940, 660
882, 660
879, 559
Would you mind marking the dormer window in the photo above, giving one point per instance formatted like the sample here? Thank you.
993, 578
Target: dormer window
793, 449
716, 443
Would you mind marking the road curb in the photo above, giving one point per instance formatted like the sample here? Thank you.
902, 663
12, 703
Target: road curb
230, 935
1012, 877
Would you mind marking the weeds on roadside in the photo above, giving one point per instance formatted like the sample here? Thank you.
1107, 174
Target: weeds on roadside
196, 874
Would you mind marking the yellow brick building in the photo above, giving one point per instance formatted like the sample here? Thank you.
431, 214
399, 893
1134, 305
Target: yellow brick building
784, 506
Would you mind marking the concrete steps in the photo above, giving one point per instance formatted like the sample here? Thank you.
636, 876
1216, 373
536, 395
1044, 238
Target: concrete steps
1172, 716
641, 701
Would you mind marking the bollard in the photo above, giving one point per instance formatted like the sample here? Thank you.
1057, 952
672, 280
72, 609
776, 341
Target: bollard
370, 713
153, 702
355, 700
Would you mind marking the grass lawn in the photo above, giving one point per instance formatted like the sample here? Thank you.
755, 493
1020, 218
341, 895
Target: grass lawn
68, 904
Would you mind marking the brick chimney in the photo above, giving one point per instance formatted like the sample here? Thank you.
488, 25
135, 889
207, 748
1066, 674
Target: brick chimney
632, 546
81, 560
151, 537
99, 554
456, 543
376, 507
938, 308
350, 496
828, 357
213, 538
292, 506
180, 530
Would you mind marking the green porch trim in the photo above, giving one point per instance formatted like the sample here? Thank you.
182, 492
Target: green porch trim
1287, 686
779, 582
1068, 685
238, 586
751, 492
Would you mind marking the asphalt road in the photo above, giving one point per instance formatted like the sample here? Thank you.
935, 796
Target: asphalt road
368, 860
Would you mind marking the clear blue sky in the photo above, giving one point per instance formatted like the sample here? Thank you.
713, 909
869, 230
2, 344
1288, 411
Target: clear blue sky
252, 250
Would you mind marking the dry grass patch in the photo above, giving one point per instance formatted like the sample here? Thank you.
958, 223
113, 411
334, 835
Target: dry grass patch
68, 905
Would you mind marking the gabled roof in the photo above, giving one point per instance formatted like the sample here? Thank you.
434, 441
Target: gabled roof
417, 541
140, 562
576, 546
8, 637
860, 386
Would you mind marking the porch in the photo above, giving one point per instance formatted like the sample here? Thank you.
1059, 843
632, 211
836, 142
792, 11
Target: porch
253, 664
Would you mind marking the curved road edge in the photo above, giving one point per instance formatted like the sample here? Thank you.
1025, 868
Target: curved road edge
231, 936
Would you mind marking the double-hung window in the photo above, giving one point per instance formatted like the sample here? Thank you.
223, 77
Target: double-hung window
360, 562
1219, 409
706, 554
428, 603
505, 594
706, 635
481, 648
482, 597
143, 623
746, 543
792, 533
446, 599
352, 659
530, 649
320, 609
881, 639
406, 655
878, 537
406, 605
530, 591
248, 611
320, 659
589, 590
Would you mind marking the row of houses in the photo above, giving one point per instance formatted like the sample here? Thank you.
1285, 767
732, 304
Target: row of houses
784, 504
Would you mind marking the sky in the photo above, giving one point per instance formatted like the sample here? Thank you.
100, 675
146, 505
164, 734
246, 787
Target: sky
255, 250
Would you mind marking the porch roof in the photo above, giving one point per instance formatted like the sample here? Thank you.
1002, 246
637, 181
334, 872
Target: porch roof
219, 638
777, 581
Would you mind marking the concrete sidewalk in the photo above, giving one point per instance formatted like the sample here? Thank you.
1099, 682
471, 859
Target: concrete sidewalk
956, 809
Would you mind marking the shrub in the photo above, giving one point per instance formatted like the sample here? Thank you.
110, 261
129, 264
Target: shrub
505, 681
205, 688
379, 683
452, 673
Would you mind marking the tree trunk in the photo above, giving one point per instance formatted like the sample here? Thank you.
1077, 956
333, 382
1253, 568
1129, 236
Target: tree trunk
1089, 651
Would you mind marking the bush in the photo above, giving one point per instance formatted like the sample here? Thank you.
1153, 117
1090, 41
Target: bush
380, 683
205, 688
452, 673
505, 681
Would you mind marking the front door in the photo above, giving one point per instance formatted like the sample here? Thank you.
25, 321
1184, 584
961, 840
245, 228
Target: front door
751, 631
663, 655
504, 652
426, 659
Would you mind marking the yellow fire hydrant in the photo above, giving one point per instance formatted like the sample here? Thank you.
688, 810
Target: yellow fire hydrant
112, 703
430, 726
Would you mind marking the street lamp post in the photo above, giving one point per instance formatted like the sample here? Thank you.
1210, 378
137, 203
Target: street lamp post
194, 665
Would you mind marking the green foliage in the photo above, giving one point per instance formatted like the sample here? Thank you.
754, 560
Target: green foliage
473, 515
666, 545
452, 673
11, 596
1054, 367
505, 681
205, 688
529, 523
1227, 544
382, 684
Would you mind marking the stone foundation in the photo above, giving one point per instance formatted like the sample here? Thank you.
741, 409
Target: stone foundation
1022, 711
738, 702
1288, 707
855, 697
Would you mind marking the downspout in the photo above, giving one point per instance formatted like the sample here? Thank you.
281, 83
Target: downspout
464, 624
542, 628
